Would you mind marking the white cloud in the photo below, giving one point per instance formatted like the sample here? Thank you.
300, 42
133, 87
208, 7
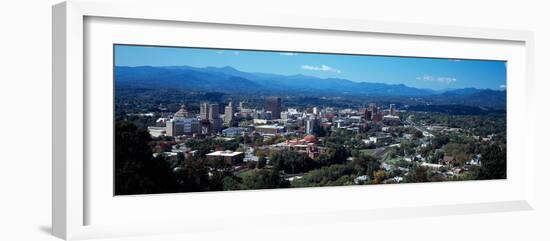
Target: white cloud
324, 68
288, 54
228, 52
502, 86
439, 79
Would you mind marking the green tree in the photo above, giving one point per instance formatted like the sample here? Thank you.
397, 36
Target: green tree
136, 171
340, 155
333, 175
440, 140
193, 176
493, 163
292, 161
232, 183
180, 158
418, 134
263, 179
251, 164
379, 177
366, 165
418, 174
261, 162
319, 131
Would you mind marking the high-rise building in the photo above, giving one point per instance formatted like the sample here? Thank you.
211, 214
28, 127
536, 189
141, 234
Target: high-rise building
310, 124
206, 127
205, 110
368, 114
213, 111
214, 117
210, 118
315, 111
392, 109
216, 125
241, 106
377, 117
273, 104
228, 114
373, 108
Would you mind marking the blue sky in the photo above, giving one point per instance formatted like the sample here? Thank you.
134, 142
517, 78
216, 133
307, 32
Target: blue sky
415, 72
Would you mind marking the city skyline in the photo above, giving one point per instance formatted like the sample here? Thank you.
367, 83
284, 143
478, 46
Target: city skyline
185, 123
429, 73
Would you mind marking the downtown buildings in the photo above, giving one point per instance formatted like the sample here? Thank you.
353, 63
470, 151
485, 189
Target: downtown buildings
210, 118
270, 120
183, 123
273, 104
229, 114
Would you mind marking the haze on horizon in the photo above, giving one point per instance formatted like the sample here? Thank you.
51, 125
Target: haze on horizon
429, 73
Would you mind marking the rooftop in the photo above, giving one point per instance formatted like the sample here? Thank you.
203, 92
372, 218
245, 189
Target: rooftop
270, 127
225, 153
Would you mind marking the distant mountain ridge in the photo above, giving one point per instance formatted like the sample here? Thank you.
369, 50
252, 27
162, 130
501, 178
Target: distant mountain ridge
231, 80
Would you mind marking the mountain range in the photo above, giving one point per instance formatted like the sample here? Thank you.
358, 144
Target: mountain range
230, 80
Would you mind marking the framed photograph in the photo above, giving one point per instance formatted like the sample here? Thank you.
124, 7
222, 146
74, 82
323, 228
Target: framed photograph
203, 122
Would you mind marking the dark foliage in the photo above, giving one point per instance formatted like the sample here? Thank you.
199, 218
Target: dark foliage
136, 171
493, 163
292, 162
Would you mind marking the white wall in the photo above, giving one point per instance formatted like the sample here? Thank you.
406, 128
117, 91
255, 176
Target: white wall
25, 119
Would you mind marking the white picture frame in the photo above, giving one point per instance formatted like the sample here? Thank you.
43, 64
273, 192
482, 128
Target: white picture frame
71, 190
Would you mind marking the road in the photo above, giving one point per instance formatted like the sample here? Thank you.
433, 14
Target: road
418, 127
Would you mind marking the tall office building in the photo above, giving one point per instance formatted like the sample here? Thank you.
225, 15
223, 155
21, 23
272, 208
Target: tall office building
392, 109
204, 110
216, 125
377, 117
214, 117
213, 111
316, 111
373, 108
241, 106
368, 114
310, 124
273, 104
228, 114
210, 118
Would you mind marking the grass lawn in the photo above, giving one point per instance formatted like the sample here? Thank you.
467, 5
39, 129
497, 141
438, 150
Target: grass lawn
393, 161
367, 151
245, 173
